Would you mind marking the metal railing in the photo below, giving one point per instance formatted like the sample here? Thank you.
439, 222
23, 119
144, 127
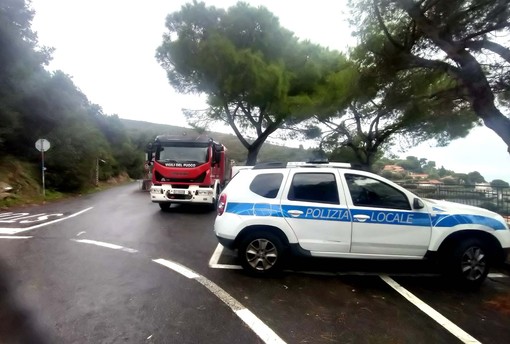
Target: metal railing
496, 199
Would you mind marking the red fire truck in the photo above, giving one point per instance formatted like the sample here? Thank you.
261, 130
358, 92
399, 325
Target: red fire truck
187, 170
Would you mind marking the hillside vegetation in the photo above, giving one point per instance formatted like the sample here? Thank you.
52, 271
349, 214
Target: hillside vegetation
139, 131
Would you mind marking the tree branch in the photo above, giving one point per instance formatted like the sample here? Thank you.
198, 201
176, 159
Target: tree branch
413, 61
233, 125
248, 114
357, 118
496, 27
384, 28
496, 48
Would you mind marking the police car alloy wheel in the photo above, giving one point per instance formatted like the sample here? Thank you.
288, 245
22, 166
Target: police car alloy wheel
470, 262
261, 253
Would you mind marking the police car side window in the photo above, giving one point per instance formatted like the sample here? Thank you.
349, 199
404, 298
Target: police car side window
369, 192
314, 187
267, 185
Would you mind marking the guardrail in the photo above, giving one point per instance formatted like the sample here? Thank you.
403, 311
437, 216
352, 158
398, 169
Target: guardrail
496, 199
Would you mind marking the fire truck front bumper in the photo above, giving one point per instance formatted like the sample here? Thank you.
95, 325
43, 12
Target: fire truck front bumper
192, 194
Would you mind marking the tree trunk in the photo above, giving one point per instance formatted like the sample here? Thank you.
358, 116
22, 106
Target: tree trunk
253, 152
495, 120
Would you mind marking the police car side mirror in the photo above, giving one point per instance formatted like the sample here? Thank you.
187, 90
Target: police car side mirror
418, 204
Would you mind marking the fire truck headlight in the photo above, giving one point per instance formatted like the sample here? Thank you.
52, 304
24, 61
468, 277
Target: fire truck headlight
204, 193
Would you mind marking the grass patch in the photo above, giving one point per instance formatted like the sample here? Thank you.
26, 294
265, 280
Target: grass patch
25, 180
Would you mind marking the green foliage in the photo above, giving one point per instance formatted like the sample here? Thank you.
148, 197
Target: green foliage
257, 75
446, 54
475, 177
236, 151
37, 104
411, 163
498, 183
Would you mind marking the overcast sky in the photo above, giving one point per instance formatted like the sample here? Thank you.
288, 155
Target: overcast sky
108, 48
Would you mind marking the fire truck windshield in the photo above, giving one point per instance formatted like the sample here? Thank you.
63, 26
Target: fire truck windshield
166, 154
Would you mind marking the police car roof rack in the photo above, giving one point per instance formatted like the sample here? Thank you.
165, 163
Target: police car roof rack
320, 163
272, 164
311, 163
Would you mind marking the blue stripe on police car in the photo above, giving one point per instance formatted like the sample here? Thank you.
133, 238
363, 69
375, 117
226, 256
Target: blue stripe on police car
385, 217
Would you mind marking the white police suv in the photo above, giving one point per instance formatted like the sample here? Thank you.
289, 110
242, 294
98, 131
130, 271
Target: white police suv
330, 210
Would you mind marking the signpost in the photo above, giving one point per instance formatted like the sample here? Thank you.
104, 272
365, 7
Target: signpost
42, 146
97, 169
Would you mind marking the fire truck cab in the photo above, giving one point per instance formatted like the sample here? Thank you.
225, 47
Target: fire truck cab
187, 170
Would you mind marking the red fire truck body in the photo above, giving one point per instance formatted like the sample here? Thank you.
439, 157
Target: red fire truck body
187, 170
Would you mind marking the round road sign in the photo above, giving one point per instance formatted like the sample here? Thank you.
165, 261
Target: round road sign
42, 145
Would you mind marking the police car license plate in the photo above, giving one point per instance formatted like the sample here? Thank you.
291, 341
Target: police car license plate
179, 192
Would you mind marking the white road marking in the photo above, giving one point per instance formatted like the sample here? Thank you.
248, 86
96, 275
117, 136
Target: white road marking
40, 217
5, 214
177, 268
435, 315
19, 230
105, 244
82, 232
13, 217
213, 262
250, 319
497, 275
14, 237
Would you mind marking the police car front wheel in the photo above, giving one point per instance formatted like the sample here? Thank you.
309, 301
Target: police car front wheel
261, 253
470, 262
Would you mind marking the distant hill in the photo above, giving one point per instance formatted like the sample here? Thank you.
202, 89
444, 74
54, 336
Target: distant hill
269, 152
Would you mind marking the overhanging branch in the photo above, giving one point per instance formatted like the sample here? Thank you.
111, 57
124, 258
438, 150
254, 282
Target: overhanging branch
385, 28
496, 48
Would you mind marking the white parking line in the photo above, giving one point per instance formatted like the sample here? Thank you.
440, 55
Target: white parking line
19, 230
255, 324
213, 262
435, 315
497, 275
14, 237
105, 244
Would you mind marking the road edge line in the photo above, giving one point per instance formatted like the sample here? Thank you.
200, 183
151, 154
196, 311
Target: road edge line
264, 332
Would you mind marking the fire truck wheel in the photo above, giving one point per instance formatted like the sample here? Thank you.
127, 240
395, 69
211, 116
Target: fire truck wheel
214, 205
164, 205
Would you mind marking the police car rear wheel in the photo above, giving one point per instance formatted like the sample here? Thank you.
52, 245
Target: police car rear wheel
261, 253
470, 263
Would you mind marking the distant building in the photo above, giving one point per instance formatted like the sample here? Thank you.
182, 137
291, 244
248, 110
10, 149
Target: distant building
421, 176
431, 182
486, 187
394, 168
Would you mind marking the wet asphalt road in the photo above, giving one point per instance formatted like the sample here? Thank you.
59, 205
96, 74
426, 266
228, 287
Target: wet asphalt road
58, 286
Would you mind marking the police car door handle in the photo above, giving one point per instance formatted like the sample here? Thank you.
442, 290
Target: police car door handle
361, 218
295, 213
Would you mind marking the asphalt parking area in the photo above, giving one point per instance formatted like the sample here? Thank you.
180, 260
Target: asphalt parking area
481, 316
